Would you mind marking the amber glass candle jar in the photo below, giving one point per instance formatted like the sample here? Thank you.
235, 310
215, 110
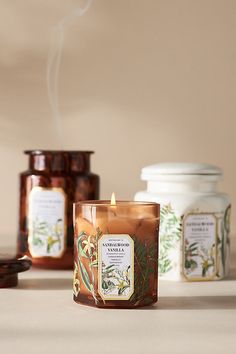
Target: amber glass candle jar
54, 180
115, 253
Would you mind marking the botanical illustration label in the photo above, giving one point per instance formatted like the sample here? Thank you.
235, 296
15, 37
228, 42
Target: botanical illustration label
46, 222
104, 267
199, 241
115, 267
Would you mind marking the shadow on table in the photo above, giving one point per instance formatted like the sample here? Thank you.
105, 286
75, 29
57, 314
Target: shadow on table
196, 303
232, 274
199, 302
45, 284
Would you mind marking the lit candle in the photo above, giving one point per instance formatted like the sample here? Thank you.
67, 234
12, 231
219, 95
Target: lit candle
116, 251
113, 199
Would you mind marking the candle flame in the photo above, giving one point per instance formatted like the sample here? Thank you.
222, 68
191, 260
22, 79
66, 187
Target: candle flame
113, 199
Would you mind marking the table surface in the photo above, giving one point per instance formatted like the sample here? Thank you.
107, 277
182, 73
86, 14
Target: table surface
39, 316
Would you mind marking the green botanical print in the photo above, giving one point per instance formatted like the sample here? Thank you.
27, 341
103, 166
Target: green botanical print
145, 260
87, 248
46, 235
207, 260
223, 240
76, 282
170, 234
114, 280
227, 219
198, 256
225, 231
190, 251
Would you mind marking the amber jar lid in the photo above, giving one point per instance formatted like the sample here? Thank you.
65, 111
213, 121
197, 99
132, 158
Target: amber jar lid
9, 269
59, 160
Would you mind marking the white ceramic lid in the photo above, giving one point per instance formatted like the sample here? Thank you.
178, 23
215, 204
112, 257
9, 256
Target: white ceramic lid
177, 169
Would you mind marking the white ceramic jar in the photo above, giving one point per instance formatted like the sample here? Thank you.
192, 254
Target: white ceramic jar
195, 220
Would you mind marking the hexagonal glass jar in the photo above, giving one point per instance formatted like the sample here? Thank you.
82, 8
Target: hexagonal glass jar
115, 252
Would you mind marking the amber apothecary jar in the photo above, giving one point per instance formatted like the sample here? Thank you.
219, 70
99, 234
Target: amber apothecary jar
115, 252
54, 180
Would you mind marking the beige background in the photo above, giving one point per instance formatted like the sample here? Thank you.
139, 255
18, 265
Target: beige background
141, 82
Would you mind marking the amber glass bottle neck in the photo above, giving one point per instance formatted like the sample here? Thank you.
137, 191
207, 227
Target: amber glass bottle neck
80, 162
49, 163
60, 161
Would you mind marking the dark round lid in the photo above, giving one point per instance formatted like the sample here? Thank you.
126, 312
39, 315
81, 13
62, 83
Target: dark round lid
9, 269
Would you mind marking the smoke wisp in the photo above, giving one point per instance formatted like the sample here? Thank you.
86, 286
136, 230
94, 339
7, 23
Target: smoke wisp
53, 66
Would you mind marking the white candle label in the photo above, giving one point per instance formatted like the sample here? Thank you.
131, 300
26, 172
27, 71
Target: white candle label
199, 246
46, 222
115, 267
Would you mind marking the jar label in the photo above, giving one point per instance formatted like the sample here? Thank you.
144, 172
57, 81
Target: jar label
47, 222
199, 246
116, 267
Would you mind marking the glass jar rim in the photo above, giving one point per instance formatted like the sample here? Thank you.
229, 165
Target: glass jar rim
119, 203
55, 152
